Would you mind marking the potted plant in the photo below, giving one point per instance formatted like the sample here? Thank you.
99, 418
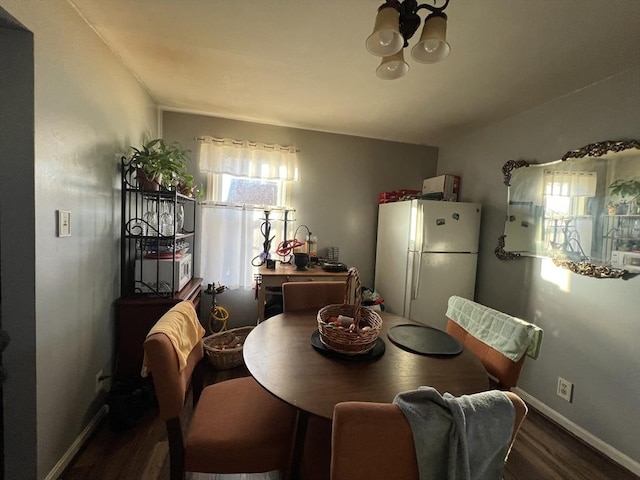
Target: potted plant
187, 186
624, 189
159, 164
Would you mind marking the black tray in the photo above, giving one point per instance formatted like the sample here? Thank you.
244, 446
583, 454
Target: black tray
334, 267
424, 340
376, 352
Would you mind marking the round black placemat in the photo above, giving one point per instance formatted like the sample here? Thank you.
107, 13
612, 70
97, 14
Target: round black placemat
424, 340
376, 352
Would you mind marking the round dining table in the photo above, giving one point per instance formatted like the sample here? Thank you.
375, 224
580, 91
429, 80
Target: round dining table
280, 356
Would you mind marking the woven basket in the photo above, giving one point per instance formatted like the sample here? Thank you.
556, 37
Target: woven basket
367, 323
224, 358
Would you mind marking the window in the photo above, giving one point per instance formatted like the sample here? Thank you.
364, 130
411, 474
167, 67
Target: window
247, 195
230, 189
568, 225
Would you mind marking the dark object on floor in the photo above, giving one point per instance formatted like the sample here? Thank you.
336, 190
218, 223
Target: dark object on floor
129, 401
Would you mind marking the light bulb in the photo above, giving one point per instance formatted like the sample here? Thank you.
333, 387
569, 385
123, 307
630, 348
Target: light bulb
430, 46
386, 37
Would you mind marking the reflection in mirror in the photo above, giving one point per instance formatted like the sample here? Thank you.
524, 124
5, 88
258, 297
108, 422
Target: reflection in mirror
583, 211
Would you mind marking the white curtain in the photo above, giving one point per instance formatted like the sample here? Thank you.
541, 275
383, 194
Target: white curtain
561, 183
248, 159
227, 246
232, 238
233, 244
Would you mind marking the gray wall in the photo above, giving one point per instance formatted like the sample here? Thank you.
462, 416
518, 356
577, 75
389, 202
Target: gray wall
88, 110
592, 326
337, 195
17, 252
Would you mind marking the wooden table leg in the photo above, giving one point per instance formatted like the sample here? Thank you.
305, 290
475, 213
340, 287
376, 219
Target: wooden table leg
297, 447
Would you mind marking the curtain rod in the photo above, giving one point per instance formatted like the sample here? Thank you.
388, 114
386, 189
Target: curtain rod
242, 142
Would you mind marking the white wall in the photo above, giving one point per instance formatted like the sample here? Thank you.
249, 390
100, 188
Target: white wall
337, 195
592, 327
88, 109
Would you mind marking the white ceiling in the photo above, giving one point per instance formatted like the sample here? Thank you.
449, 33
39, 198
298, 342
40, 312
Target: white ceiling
302, 63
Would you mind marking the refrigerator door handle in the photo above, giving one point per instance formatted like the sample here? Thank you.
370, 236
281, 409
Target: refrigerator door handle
415, 284
420, 228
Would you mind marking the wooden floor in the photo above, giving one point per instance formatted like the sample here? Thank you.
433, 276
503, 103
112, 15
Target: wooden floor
542, 451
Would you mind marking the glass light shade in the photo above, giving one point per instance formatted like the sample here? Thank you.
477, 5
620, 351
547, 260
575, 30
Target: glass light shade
386, 38
433, 45
392, 67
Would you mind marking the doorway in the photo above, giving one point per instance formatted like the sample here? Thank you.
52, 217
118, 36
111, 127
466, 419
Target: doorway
17, 252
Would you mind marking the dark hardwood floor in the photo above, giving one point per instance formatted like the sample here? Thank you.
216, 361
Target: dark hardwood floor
542, 451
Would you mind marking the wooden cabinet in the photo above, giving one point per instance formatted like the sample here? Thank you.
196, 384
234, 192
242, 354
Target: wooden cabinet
135, 315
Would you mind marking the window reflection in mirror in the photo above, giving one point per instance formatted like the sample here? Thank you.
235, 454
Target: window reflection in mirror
580, 210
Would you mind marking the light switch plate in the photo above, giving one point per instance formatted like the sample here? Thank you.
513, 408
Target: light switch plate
64, 223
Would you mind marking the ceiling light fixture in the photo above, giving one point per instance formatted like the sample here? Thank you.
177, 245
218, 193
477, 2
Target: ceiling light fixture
396, 23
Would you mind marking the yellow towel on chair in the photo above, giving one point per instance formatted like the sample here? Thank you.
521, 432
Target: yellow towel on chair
183, 328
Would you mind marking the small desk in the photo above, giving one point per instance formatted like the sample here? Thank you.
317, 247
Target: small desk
288, 273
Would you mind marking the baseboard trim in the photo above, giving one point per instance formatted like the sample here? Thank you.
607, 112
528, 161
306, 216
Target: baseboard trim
590, 439
75, 447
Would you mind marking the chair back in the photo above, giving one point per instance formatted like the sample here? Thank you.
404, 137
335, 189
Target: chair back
374, 440
503, 369
312, 295
170, 383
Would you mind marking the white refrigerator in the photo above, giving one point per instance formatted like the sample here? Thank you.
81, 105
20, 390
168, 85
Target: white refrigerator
426, 252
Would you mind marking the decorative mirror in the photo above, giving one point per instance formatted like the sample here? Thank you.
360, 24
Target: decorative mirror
583, 211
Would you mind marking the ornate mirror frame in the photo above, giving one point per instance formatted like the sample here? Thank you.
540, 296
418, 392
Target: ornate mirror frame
586, 268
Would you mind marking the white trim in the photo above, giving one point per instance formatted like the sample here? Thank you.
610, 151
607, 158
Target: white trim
600, 445
160, 120
75, 447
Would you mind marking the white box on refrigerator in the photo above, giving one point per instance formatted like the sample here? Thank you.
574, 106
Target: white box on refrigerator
448, 185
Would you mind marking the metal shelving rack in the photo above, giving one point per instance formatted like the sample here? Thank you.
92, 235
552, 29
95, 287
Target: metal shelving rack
622, 232
152, 232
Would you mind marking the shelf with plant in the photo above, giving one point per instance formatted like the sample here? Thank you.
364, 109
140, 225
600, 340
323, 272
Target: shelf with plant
161, 166
628, 191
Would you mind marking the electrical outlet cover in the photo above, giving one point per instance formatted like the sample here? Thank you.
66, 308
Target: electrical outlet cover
565, 389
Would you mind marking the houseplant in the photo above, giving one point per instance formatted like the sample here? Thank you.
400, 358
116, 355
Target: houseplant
160, 164
623, 189
186, 186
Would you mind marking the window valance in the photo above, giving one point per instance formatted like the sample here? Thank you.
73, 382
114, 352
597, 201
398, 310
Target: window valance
243, 158
570, 184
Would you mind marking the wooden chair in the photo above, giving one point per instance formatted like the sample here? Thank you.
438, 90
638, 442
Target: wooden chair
311, 295
297, 296
505, 371
236, 426
374, 440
